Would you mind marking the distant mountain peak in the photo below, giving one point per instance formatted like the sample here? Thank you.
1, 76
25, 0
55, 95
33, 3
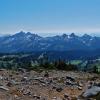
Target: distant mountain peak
29, 33
27, 41
64, 35
22, 33
86, 36
72, 35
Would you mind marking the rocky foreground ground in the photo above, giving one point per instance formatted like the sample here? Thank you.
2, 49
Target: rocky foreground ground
49, 85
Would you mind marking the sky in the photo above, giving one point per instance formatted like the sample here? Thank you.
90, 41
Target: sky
49, 16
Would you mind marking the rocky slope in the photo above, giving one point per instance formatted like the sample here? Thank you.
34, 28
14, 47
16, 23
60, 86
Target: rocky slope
48, 85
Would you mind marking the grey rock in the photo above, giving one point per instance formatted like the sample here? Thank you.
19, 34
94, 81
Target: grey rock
4, 88
93, 91
59, 89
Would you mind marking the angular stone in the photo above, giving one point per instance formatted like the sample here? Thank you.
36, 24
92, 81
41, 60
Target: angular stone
93, 91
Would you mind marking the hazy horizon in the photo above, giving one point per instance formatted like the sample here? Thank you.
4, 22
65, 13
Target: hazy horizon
50, 34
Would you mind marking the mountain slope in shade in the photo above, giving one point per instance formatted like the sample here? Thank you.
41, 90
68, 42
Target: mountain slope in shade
28, 42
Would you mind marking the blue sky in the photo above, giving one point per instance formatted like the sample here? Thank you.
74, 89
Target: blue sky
45, 16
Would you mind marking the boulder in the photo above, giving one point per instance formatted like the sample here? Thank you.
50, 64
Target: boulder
9, 84
46, 74
93, 91
66, 95
59, 89
70, 78
4, 88
1, 78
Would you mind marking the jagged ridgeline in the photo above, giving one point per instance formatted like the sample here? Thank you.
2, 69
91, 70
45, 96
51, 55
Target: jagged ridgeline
28, 42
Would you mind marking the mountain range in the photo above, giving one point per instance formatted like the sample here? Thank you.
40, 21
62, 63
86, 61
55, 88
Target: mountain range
29, 42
